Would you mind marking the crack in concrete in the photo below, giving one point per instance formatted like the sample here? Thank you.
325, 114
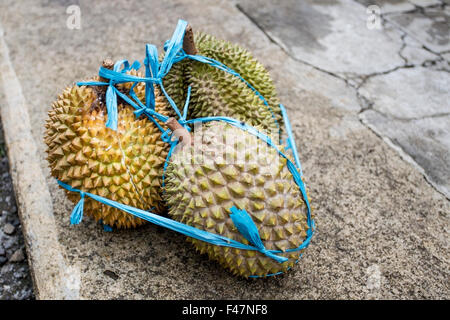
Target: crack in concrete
403, 47
431, 64
348, 80
393, 117
356, 81
364, 78
402, 153
286, 51
366, 104
421, 10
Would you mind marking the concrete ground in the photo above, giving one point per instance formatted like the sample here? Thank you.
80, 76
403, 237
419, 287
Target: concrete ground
15, 280
367, 91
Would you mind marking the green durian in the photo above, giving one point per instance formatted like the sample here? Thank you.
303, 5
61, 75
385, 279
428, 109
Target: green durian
217, 93
228, 167
124, 165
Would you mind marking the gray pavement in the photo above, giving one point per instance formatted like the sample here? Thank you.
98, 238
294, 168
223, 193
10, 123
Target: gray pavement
369, 109
398, 69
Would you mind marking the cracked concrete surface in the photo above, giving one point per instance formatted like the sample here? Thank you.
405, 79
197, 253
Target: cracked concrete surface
409, 93
382, 228
397, 70
429, 149
413, 52
318, 33
390, 6
430, 26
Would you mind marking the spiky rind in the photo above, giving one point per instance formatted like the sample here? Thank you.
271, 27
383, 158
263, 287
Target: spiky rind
233, 168
123, 165
218, 93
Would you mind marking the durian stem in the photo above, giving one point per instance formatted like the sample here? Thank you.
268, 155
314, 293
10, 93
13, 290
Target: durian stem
179, 131
188, 41
100, 91
108, 64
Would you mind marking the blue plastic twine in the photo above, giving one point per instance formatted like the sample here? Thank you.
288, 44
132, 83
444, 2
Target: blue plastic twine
77, 212
240, 217
248, 229
154, 72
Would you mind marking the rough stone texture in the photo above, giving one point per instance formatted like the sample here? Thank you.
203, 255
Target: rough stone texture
414, 107
430, 27
388, 6
414, 53
439, 65
446, 56
409, 93
426, 140
382, 230
425, 3
17, 256
8, 229
15, 280
331, 35
50, 274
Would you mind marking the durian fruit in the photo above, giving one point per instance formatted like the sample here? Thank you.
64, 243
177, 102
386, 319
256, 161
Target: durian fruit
139, 89
218, 93
124, 165
228, 167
